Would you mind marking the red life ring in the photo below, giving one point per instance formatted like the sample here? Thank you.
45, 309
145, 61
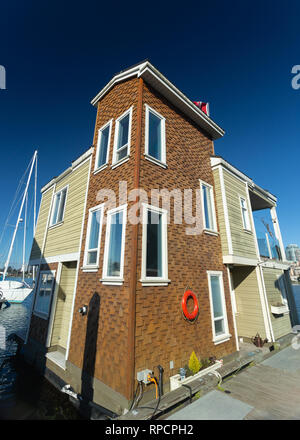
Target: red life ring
190, 316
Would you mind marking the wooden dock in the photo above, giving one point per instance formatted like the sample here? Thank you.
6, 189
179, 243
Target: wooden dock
273, 392
271, 385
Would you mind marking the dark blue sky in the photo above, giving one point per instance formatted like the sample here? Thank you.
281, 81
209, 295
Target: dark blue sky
237, 55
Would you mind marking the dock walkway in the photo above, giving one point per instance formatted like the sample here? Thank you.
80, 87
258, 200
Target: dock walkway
268, 389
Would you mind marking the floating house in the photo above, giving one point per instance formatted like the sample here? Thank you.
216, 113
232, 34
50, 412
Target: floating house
135, 266
254, 254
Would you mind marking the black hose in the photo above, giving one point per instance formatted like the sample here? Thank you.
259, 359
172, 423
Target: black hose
160, 382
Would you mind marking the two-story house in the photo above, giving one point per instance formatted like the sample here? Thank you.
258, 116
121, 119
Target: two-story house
55, 253
150, 234
254, 254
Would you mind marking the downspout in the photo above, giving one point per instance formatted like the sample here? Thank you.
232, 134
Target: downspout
133, 266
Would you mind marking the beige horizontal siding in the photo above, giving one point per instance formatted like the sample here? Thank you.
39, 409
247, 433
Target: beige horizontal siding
281, 323
220, 212
65, 238
249, 317
41, 225
63, 310
243, 243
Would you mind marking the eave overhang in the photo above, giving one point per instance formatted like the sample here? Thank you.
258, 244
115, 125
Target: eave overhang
160, 83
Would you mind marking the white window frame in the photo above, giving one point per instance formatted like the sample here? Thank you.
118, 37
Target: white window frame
155, 281
246, 227
213, 230
86, 250
106, 279
116, 162
53, 204
148, 156
218, 339
100, 131
37, 312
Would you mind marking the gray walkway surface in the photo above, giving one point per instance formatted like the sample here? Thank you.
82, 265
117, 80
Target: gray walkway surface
270, 390
213, 406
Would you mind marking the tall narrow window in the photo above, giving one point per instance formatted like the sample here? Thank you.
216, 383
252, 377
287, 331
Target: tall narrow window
103, 145
245, 214
282, 288
209, 216
44, 293
58, 208
155, 141
93, 236
155, 259
114, 246
218, 307
122, 136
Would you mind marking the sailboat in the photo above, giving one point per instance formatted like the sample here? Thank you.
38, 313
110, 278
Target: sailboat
10, 290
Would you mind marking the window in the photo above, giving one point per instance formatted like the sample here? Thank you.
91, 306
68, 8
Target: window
104, 134
45, 288
93, 237
114, 246
122, 137
58, 210
283, 290
218, 307
155, 142
245, 215
209, 216
155, 258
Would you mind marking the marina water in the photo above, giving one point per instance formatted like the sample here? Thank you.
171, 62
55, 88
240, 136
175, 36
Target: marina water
23, 393
296, 290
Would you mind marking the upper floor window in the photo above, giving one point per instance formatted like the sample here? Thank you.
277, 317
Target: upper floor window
218, 306
155, 256
44, 293
103, 143
122, 137
93, 237
283, 289
209, 214
58, 209
113, 264
155, 137
245, 214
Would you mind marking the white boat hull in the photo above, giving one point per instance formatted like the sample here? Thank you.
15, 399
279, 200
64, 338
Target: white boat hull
14, 292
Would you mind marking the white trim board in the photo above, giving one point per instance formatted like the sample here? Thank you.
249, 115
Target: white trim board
55, 259
240, 261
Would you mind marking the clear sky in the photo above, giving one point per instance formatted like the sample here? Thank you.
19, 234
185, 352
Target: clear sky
237, 55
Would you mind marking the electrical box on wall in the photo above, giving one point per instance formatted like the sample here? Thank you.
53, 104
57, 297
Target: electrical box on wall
142, 376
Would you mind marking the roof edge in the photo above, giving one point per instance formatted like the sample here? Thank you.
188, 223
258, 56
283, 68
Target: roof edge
157, 80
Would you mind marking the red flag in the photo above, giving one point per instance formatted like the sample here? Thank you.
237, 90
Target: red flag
204, 106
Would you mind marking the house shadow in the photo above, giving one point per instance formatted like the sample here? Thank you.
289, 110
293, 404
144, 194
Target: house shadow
89, 356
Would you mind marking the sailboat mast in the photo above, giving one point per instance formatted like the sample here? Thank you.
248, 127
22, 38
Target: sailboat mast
19, 216
24, 239
35, 189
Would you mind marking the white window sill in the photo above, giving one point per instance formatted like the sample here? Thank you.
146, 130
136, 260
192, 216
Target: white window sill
221, 339
156, 161
120, 162
90, 268
248, 231
154, 282
56, 225
41, 315
210, 232
111, 282
102, 167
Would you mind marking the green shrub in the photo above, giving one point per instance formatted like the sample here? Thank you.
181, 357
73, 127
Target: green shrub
194, 363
